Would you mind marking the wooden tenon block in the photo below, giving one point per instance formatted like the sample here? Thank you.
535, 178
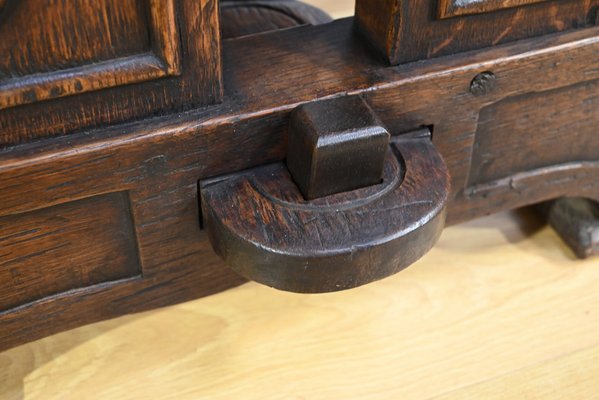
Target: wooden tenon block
335, 146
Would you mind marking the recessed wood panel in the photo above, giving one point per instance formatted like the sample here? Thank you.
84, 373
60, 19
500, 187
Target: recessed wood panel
452, 8
411, 30
64, 247
534, 131
80, 64
65, 48
41, 36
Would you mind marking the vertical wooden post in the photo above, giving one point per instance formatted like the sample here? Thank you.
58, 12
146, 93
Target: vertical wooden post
411, 30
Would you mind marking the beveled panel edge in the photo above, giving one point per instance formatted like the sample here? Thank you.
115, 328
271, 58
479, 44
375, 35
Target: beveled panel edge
164, 60
165, 34
87, 78
123, 203
454, 8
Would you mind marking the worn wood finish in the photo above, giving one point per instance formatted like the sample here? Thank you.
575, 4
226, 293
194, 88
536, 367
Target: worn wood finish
132, 50
82, 52
259, 222
409, 30
159, 161
508, 139
452, 8
41, 36
68, 247
577, 222
335, 146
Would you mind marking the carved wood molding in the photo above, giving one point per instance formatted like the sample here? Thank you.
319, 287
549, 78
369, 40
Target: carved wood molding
162, 60
412, 30
454, 8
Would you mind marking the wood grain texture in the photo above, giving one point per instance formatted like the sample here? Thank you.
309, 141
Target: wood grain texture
47, 35
259, 222
500, 309
85, 47
160, 160
406, 30
165, 34
336, 146
452, 8
144, 75
66, 247
509, 139
88, 78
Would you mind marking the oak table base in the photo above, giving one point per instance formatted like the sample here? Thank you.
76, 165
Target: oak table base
499, 309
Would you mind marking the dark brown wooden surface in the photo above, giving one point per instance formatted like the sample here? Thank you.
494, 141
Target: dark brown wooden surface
43, 36
66, 247
159, 161
103, 62
410, 30
335, 146
259, 222
510, 137
452, 8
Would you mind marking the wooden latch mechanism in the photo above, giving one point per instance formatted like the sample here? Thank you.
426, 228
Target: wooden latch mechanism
351, 205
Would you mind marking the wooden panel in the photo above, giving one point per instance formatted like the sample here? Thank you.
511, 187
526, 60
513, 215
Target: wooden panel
89, 48
527, 132
452, 8
410, 30
47, 35
64, 247
66, 51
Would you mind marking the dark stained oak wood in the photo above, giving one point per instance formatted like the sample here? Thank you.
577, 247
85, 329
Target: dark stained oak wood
41, 36
159, 160
335, 146
510, 139
452, 8
72, 58
259, 222
103, 62
68, 247
410, 30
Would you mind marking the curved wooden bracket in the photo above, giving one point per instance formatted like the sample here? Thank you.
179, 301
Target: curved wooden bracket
259, 222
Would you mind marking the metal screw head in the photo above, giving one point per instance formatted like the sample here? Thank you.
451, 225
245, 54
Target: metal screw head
482, 83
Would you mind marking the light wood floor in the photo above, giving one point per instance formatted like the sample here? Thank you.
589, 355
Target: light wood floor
499, 309
335, 8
